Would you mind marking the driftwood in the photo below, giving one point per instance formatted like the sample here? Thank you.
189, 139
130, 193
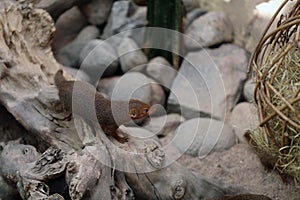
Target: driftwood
84, 163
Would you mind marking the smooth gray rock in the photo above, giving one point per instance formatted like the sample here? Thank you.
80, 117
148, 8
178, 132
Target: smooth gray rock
97, 11
139, 21
131, 56
54, 7
190, 5
138, 133
194, 14
139, 17
136, 34
98, 59
160, 70
163, 125
68, 25
209, 30
209, 82
123, 22
118, 18
248, 91
130, 85
201, 136
134, 85
69, 54
158, 95
105, 85
243, 118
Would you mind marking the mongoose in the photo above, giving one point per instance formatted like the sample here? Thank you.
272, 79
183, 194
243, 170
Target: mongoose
109, 114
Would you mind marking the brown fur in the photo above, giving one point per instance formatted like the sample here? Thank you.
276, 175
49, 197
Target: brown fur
109, 114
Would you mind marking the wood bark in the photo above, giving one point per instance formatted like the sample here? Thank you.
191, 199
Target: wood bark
78, 155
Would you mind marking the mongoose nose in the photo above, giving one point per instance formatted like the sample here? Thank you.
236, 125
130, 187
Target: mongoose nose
151, 110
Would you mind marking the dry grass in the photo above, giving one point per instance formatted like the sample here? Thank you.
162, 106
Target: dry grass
276, 67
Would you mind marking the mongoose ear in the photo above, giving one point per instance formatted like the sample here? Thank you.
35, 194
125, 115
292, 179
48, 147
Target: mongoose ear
146, 110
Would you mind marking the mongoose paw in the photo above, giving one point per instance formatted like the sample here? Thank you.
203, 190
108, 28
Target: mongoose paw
122, 139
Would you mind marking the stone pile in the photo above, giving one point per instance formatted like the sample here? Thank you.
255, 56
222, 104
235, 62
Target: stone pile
206, 105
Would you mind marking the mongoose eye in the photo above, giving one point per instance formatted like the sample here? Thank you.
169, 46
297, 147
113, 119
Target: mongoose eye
133, 114
146, 110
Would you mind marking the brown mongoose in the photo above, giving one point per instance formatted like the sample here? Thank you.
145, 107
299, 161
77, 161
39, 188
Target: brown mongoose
109, 114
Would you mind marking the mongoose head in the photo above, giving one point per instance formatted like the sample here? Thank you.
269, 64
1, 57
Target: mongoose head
139, 109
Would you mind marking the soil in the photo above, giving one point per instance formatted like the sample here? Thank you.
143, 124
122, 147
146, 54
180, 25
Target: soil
240, 166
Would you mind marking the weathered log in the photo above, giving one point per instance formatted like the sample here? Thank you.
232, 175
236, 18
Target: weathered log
92, 166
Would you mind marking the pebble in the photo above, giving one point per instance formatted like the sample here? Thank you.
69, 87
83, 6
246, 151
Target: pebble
202, 136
